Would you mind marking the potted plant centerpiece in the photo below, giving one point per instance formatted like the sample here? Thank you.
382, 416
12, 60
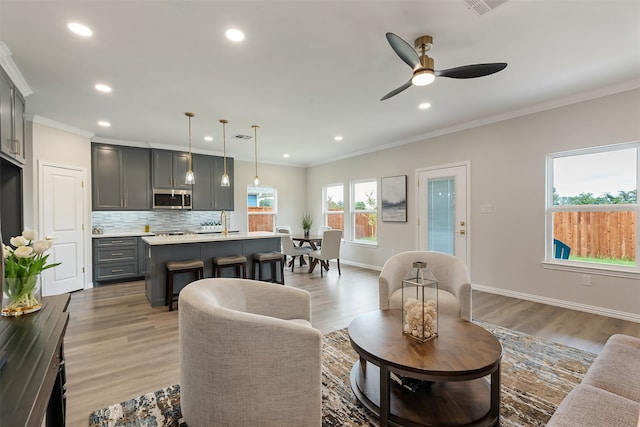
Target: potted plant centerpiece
23, 264
306, 223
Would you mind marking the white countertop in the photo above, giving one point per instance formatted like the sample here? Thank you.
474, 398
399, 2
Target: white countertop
208, 237
122, 234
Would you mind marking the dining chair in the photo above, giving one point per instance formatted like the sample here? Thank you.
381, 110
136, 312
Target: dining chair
321, 230
289, 248
331, 240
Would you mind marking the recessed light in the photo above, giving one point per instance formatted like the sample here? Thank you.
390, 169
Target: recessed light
286, 156
79, 29
234, 35
424, 106
208, 138
104, 124
338, 138
103, 88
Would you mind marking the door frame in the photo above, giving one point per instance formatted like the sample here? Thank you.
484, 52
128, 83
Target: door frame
86, 218
467, 165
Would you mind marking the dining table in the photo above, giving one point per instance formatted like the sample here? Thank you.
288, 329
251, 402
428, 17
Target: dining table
314, 240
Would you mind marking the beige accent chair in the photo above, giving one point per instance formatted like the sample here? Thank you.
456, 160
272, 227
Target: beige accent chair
454, 284
248, 355
331, 240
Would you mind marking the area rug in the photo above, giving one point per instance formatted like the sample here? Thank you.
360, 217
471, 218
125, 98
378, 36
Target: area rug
536, 375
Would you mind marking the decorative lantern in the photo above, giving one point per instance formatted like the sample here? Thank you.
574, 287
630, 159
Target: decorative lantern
420, 303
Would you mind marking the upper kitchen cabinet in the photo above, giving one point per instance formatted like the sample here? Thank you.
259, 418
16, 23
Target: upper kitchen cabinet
222, 196
121, 177
208, 194
12, 123
169, 169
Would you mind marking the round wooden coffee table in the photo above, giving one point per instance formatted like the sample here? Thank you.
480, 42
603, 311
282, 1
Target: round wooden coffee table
457, 360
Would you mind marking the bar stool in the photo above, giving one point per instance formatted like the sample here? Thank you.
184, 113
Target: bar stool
272, 259
238, 262
175, 267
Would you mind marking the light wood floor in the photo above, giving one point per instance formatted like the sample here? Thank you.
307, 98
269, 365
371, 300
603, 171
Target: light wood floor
118, 347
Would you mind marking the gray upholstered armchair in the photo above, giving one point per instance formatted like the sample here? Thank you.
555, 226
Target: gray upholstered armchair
248, 355
454, 284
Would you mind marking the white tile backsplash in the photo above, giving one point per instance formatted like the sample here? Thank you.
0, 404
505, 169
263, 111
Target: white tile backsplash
128, 221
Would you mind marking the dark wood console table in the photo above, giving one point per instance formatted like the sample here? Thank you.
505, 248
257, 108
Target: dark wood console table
32, 381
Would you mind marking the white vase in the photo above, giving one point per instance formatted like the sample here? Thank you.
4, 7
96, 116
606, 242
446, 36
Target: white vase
21, 295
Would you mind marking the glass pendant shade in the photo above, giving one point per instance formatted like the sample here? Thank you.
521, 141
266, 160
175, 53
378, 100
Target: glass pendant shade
224, 182
189, 178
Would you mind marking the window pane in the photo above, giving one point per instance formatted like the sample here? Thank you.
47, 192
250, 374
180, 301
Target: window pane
595, 178
365, 195
602, 237
334, 206
365, 226
365, 214
441, 214
261, 208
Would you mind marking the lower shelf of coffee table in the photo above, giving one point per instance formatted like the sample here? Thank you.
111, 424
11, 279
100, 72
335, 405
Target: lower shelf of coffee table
443, 404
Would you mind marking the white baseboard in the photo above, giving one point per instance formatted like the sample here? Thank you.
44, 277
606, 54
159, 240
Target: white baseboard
357, 264
631, 317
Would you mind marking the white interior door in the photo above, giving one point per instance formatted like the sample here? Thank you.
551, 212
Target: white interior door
61, 196
443, 210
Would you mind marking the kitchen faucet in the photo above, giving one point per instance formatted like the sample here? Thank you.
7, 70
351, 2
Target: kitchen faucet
223, 218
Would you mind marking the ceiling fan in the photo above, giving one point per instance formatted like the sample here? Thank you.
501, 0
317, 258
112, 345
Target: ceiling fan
423, 71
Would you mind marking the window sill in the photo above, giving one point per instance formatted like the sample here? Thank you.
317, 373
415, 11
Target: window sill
364, 243
612, 271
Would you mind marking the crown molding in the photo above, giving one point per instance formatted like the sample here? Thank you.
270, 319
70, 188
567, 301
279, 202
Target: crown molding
12, 70
58, 125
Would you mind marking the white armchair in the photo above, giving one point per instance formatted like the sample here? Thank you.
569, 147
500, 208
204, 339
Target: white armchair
454, 284
248, 355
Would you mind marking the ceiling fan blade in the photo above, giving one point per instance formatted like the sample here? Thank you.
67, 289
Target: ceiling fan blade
404, 50
396, 91
472, 71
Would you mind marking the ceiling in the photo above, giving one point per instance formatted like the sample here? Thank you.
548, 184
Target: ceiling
309, 70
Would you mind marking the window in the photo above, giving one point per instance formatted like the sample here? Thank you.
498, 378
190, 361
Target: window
364, 211
333, 206
592, 206
261, 208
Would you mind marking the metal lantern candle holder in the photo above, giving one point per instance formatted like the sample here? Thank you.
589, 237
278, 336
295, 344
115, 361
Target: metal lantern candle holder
420, 303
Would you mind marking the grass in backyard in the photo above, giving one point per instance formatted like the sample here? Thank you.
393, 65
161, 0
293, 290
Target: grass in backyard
613, 261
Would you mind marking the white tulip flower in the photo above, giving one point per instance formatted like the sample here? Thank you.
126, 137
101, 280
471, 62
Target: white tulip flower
30, 234
41, 246
18, 241
23, 252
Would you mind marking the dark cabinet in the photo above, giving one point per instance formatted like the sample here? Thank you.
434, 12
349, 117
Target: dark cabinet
121, 178
115, 258
208, 194
169, 169
12, 123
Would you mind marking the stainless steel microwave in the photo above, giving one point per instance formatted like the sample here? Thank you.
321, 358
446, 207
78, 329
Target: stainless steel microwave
171, 199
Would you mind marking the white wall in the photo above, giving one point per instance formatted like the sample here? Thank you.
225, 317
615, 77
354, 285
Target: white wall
508, 171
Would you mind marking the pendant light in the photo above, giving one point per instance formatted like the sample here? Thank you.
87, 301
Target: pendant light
256, 180
189, 177
225, 178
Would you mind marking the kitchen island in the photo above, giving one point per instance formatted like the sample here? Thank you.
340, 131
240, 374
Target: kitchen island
160, 249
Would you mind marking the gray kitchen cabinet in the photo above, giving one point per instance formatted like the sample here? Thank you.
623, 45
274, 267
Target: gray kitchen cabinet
208, 194
115, 258
222, 196
169, 169
202, 199
142, 257
121, 177
12, 123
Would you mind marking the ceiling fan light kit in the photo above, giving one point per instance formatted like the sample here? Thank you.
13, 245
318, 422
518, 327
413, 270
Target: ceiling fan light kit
422, 65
